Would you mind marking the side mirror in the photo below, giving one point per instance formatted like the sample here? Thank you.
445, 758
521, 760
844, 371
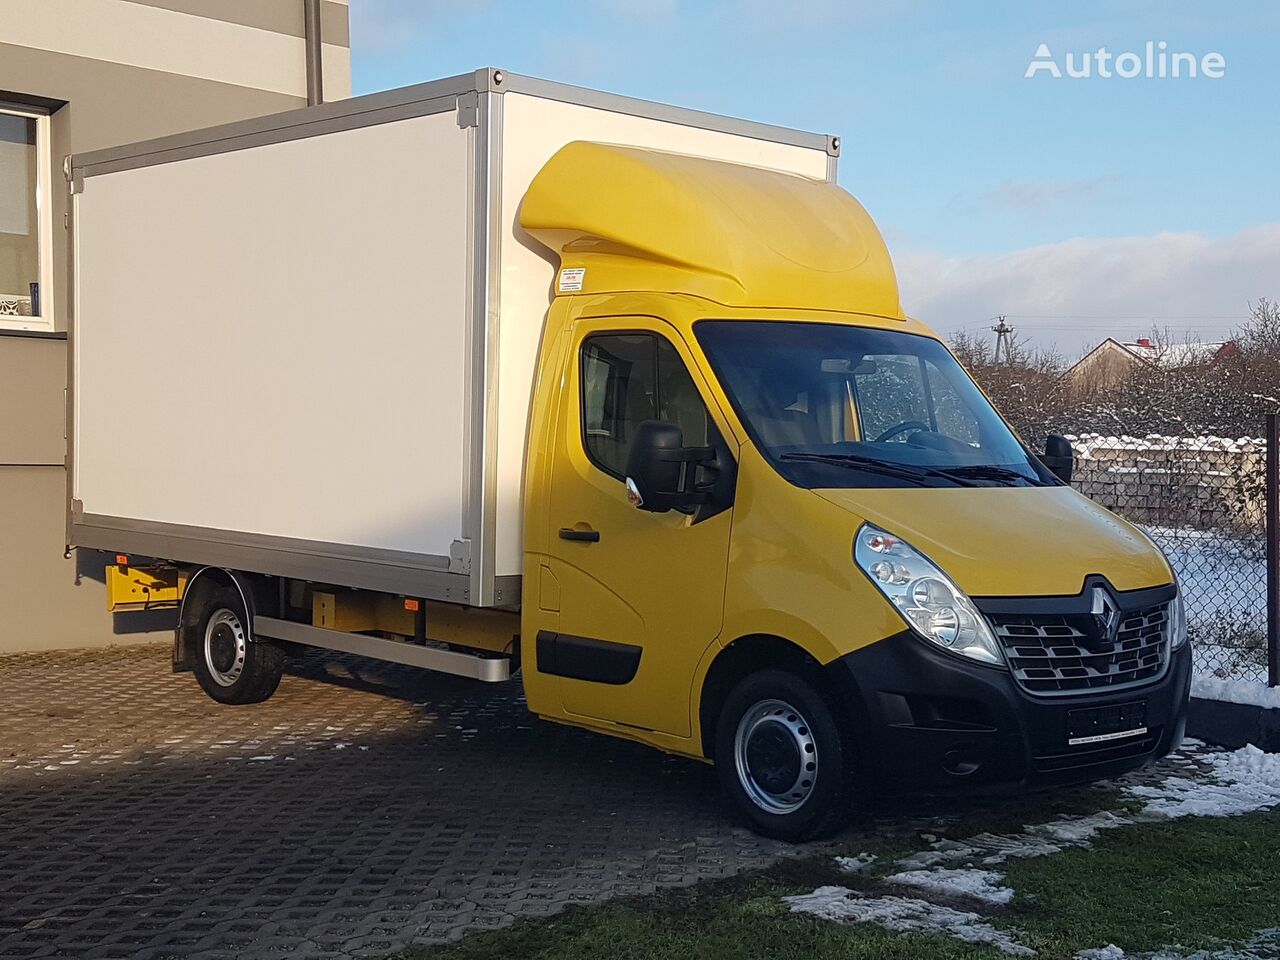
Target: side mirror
661, 470
1059, 457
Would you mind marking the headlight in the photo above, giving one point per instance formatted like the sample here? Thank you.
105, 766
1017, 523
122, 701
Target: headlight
1177, 610
1177, 619
927, 598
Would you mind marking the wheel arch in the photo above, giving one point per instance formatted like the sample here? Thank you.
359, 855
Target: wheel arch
249, 587
745, 656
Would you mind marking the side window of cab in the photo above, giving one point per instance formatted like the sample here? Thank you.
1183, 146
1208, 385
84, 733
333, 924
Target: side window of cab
627, 378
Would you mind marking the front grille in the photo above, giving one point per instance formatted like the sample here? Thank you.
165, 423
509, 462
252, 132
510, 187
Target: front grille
1054, 655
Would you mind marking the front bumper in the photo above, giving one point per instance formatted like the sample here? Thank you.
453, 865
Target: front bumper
930, 722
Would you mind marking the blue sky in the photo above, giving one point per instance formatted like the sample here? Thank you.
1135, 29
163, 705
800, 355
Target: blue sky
1081, 207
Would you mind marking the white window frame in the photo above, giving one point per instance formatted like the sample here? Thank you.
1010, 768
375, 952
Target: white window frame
44, 220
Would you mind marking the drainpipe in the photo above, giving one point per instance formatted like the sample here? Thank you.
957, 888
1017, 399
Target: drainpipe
315, 68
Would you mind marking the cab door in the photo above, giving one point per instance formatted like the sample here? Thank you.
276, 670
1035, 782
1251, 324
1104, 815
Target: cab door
641, 594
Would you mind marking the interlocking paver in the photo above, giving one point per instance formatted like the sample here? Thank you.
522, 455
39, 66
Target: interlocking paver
345, 817
364, 807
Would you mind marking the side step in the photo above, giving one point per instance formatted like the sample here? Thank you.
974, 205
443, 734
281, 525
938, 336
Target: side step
488, 669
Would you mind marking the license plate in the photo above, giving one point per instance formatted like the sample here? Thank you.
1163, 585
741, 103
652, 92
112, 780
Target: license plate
1100, 724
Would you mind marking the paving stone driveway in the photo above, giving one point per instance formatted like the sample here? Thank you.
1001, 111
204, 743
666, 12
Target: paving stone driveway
346, 817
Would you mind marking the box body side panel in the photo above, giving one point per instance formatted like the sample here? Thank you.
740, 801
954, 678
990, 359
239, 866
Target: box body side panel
274, 341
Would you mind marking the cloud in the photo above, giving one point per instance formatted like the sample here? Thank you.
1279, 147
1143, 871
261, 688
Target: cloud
1037, 197
1074, 293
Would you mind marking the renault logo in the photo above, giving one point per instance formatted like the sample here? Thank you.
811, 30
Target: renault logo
1106, 615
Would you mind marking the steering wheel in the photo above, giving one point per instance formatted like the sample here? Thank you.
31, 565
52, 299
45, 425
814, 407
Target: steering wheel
901, 428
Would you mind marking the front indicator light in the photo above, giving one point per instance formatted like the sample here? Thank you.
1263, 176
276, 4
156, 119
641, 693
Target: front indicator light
1177, 619
1177, 612
929, 600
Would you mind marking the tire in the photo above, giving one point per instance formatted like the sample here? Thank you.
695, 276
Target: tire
229, 665
785, 757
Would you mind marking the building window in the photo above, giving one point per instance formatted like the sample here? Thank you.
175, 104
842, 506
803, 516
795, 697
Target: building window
25, 241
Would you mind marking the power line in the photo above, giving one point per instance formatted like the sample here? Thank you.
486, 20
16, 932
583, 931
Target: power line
1087, 322
1101, 319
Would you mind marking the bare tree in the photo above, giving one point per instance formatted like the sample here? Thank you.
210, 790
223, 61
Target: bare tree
1201, 394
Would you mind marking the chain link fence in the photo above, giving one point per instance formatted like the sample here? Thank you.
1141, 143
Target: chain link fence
1204, 500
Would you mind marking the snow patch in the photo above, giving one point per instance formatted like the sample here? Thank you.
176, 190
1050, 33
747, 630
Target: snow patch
856, 864
1036, 840
1250, 692
1088, 444
1263, 945
986, 886
1242, 781
905, 915
1238, 782
1078, 829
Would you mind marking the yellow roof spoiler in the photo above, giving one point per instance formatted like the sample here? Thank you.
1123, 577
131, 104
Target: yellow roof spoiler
739, 235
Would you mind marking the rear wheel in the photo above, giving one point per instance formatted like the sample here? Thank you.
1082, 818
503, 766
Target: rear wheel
230, 666
784, 757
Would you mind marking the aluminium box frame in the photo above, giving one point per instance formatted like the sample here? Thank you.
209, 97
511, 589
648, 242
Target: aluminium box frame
466, 576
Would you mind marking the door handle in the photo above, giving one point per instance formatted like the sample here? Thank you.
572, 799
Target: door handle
583, 536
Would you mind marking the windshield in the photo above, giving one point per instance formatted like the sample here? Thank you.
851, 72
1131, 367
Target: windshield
843, 406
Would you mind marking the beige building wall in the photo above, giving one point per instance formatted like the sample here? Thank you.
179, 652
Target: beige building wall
1101, 368
107, 72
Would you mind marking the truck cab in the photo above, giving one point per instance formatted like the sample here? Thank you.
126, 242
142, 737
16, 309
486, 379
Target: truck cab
772, 522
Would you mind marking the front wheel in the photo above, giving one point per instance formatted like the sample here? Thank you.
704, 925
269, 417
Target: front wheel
229, 665
784, 757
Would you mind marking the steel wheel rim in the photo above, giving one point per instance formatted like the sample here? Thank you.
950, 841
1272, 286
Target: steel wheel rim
225, 647
776, 756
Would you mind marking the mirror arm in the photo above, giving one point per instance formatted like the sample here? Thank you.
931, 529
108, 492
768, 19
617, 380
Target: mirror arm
685, 454
689, 458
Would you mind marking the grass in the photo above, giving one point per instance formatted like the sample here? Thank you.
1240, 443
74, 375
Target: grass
741, 919
1190, 883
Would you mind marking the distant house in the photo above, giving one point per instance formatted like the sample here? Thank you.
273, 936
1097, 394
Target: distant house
1113, 360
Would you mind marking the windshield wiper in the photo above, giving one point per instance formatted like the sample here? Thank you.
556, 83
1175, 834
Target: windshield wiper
902, 471
988, 471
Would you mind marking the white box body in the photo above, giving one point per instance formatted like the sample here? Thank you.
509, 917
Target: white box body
304, 345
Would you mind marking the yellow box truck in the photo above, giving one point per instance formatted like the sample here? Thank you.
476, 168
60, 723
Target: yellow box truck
494, 375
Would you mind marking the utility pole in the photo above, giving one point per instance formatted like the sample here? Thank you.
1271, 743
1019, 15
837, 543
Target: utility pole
1273, 550
1004, 340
